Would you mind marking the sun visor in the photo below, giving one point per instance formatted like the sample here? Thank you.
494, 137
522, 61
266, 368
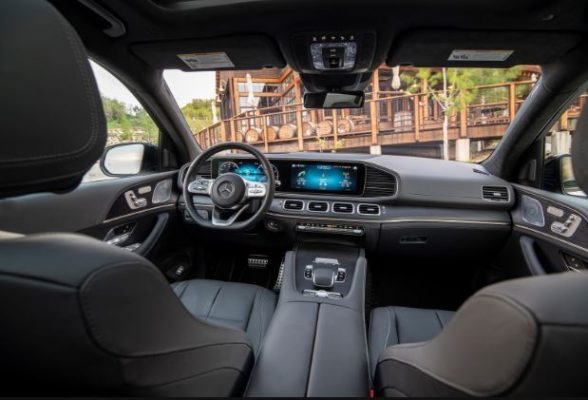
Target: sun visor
491, 49
227, 52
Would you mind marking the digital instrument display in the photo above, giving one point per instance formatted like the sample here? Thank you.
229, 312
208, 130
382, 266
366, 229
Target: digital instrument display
249, 170
325, 177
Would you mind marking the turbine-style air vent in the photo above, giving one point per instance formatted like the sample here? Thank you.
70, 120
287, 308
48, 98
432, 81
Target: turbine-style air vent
318, 206
294, 205
343, 208
369, 209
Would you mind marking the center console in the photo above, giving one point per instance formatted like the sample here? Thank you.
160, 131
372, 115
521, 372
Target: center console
316, 343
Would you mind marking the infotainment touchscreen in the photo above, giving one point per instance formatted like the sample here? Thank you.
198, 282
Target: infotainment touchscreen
326, 177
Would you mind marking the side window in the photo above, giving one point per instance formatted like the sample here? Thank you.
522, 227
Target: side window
558, 174
127, 122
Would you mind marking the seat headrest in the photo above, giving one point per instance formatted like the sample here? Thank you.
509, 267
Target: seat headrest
580, 151
53, 126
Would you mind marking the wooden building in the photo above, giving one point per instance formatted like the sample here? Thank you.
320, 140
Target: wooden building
264, 108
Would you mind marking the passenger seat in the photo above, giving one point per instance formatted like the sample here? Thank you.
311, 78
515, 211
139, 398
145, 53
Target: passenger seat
522, 337
390, 326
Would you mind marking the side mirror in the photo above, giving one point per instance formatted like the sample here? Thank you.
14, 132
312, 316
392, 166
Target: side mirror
334, 100
128, 159
559, 176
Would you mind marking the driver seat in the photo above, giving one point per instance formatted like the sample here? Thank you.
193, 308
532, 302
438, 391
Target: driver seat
80, 317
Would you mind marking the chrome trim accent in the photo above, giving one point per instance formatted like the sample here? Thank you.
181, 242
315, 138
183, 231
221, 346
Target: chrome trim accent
134, 214
217, 221
392, 220
318, 201
343, 202
371, 205
551, 237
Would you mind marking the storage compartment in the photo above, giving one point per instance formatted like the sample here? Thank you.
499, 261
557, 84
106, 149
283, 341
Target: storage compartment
441, 240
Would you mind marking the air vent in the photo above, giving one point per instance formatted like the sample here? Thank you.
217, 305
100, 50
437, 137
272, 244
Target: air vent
318, 206
293, 205
343, 208
379, 183
369, 209
495, 193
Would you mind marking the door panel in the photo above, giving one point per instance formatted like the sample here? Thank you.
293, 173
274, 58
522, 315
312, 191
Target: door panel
119, 211
553, 230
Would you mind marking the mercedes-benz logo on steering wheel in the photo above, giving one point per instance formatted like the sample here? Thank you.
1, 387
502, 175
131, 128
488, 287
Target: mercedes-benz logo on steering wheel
226, 189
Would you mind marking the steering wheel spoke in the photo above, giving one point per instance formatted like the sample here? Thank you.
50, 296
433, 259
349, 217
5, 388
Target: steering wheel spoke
255, 190
218, 220
202, 186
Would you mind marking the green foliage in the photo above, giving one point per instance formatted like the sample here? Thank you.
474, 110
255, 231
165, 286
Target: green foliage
461, 84
198, 114
128, 124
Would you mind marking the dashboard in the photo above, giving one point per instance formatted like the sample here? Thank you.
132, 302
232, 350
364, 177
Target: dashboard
387, 204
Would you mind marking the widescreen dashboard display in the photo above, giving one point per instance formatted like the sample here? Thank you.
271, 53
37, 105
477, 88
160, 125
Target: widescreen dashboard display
327, 177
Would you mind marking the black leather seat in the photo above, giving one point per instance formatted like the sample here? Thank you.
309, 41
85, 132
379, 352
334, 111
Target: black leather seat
524, 337
390, 326
237, 305
80, 317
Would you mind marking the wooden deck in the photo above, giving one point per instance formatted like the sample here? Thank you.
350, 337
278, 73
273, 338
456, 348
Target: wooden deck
386, 119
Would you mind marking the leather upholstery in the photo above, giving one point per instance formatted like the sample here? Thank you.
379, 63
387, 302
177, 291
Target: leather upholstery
110, 325
53, 126
580, 151
236, 305
396, 325
524, 337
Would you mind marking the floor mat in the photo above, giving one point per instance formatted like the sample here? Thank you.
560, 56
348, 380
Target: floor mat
433, 284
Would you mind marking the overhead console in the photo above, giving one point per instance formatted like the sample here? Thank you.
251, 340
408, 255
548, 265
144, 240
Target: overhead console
334, 51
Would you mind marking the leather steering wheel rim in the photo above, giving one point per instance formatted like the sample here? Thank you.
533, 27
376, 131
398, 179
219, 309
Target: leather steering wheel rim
203, 158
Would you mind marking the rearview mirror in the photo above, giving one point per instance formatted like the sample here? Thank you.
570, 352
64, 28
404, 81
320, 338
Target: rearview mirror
128, 159
334, 100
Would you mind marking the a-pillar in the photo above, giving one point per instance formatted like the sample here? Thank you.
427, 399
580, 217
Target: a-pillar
462, 149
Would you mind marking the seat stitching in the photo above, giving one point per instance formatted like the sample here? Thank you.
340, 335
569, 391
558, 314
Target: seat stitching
213, 302
389, 328
185, 287
261, 329
396, 328
439, 319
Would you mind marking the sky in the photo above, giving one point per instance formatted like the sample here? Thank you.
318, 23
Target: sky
185, 86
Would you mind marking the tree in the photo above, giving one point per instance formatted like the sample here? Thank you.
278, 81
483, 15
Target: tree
454, 88
129, 122
198, 114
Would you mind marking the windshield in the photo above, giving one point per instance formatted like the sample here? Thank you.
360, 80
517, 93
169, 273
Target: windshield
448, 113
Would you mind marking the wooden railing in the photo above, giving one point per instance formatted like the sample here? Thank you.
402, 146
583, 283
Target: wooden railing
385, 119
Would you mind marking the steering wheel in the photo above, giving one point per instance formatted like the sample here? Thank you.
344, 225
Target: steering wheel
230, 194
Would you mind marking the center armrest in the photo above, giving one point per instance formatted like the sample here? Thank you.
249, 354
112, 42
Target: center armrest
315, 346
